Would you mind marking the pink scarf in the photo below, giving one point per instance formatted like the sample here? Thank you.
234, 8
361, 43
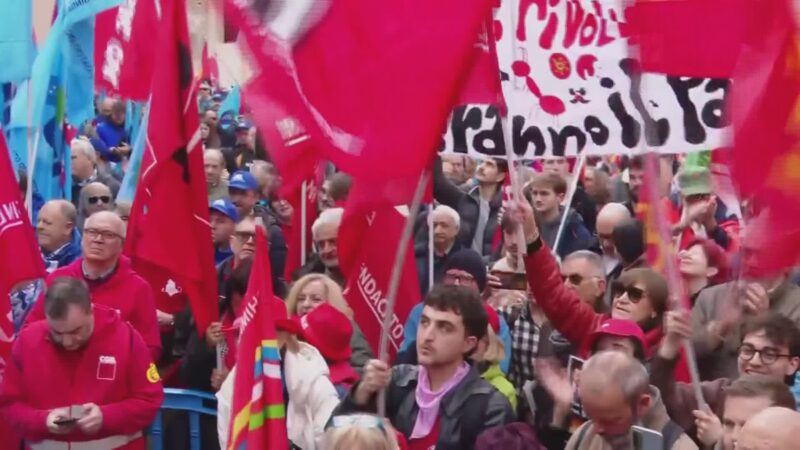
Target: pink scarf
428, 401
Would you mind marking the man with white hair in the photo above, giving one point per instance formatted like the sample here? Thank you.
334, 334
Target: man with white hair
84, 169
111, 279
446, 223
56, 233
325, 232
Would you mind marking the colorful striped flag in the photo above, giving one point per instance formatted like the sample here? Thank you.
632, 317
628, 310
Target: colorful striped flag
259, 414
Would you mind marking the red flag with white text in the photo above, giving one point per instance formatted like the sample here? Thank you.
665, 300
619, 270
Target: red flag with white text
370, 83
367, 244
169, 233
295, 236
125, 48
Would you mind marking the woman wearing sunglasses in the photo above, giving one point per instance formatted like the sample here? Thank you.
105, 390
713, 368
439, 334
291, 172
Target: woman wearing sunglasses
639, 295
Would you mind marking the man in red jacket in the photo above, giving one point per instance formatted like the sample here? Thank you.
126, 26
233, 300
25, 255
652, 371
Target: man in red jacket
82, 379
111, 280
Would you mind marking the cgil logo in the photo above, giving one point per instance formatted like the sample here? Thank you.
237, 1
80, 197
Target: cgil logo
377, 303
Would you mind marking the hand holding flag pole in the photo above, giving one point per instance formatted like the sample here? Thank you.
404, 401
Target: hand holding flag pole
394, 281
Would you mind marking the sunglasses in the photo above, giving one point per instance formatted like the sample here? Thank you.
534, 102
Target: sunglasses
574, 279
245, 236
104, 235
358, 420
100, 198
634, 294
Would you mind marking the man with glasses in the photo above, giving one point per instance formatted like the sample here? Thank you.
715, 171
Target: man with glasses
770, 346
111, 279
582, 272
94, 197
243, 246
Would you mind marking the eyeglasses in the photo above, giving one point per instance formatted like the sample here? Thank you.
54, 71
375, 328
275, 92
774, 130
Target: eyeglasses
359, 420
453, 278
634, 294
574, 279
245, 236
105, 235
100, 198
768, 355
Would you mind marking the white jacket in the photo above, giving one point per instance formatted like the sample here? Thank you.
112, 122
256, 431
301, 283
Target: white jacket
312, 399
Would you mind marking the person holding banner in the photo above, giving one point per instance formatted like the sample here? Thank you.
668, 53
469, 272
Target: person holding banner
442, 402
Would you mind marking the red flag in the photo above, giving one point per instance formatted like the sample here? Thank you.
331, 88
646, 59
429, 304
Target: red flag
257, 409
125, 48
367, 244
483, 83
210, 69
371, 83
169, 230
700, 38
20, 258
766, 121
294, 242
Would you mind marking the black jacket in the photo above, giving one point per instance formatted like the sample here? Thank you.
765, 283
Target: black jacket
467, 204
470, 408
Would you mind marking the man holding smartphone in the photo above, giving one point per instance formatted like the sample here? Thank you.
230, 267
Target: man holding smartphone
82, 378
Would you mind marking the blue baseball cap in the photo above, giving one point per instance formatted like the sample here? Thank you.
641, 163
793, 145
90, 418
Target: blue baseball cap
225, 207
243, 124
243, 180
217, 97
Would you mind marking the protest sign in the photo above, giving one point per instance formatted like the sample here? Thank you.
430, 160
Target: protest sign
571, 86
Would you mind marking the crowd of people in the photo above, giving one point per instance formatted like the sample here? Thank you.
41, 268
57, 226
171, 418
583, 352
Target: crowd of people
540, 323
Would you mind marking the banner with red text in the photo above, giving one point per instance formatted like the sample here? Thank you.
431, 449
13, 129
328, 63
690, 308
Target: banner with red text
571, 86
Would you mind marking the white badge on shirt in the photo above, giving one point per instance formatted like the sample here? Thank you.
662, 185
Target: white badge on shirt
107, 368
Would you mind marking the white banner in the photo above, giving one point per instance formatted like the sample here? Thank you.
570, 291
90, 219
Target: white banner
571, 87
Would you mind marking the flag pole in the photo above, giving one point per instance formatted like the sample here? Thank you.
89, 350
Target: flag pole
573, 186
516, 189
303, 219
430, 246
394, 281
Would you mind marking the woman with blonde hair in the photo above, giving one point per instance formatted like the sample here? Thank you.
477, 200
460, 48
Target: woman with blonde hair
315, 289
489, 353
360, 432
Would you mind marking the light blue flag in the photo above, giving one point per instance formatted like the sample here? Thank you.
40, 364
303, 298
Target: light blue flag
16, 40
127, 189
78, 51
229, 109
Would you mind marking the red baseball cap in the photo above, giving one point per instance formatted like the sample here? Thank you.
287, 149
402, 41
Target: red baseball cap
619, 328
329, 330
281, 317
494, 319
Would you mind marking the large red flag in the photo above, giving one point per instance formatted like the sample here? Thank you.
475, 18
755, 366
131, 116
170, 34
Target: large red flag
367, 245
699, 38
371, 83
257, 410
483, 83
764, 108
125, 50
169, 234
294, 257
20, 260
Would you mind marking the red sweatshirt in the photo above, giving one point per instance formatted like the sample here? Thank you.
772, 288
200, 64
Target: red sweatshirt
124, 290
573, 318
113, 370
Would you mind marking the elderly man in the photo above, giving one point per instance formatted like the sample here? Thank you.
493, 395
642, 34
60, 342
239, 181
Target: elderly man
774, 428
57, 235
81, 379
94, 197
324, 232
112, 282
445, 222
223, 217
214, 164
267, 177
611, 215
616, 395
243, 246
582, 272
84, 169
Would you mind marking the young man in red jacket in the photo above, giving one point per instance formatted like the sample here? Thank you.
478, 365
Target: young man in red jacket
111, 279
81, 379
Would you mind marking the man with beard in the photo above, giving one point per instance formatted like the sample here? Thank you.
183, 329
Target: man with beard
82, 378
616, 395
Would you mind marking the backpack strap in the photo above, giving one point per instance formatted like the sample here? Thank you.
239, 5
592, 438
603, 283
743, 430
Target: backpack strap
671, 433
584, 429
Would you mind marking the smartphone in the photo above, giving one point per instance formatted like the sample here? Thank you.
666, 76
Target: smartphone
512, 280
647, 439
65, 421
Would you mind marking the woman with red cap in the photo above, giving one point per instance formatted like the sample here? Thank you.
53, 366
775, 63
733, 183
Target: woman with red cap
489, 353
310, 397
313, 290
329, 330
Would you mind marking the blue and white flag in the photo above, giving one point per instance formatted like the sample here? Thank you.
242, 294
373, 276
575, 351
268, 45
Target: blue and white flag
127, 189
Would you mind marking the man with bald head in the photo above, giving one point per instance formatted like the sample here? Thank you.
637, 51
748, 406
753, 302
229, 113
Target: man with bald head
774, 428
215, 165
611, 215
111, 279
56, 233
616, 394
